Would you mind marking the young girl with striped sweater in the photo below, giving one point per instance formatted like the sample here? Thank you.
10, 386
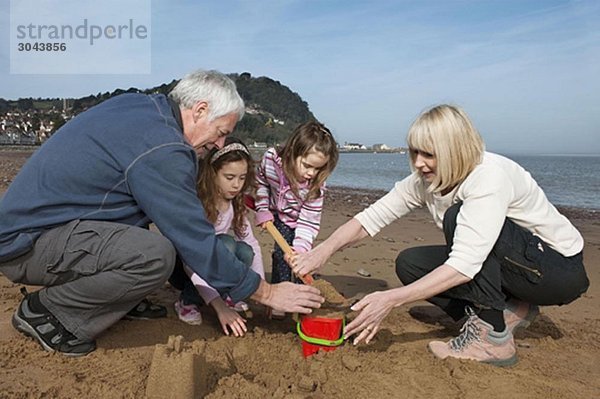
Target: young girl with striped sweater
291, 188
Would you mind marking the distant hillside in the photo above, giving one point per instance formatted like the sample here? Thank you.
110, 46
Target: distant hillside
272, 109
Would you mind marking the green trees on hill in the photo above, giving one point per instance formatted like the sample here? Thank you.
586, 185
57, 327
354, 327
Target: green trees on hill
272, 97
272, 109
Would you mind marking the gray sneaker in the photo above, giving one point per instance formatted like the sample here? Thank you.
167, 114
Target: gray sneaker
48, 331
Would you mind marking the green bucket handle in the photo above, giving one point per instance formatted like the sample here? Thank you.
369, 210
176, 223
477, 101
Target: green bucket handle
321, 341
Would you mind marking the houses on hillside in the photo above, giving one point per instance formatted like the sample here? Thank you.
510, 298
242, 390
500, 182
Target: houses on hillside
358, 147
30, 127
24, 127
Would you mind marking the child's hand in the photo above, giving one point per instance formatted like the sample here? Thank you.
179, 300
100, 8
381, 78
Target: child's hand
290, 258
229, 318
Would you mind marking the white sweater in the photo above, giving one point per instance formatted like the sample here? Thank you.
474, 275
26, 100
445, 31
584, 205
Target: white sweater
496, 189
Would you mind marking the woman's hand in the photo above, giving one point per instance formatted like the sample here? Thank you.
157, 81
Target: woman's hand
229, 318
307, 262
347, 234
290, 258
376, 306
373, 309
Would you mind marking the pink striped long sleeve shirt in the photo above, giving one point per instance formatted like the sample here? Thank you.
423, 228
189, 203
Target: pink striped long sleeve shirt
275, 196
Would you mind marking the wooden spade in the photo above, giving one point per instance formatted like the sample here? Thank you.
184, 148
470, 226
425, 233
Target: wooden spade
285, 247
331, 295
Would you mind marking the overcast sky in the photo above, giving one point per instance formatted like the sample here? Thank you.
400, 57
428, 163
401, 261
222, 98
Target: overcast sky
527, 72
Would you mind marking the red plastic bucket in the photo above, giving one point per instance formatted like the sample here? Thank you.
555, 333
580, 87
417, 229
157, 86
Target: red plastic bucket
320, 333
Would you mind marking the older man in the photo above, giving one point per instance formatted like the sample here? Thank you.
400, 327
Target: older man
75, 218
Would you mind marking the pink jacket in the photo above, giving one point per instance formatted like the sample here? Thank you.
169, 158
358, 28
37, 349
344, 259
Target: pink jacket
275, 196
223, 225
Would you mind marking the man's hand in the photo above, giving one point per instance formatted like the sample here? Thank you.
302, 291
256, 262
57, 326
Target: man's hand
288, 297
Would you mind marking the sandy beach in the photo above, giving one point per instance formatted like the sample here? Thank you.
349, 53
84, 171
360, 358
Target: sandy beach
559, 355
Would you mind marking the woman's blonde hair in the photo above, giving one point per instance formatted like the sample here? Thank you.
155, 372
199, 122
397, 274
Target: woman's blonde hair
310, 136
446, 132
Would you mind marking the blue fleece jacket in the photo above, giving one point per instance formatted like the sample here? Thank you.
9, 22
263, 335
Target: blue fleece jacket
126, 161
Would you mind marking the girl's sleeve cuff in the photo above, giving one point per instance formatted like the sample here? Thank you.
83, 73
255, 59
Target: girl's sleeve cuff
262, 217
301, 246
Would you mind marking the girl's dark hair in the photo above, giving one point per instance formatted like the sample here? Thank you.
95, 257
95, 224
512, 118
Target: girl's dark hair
207, 188
310, 136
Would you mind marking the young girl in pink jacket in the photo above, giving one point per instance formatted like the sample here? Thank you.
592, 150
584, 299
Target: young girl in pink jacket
226, 175
291, 188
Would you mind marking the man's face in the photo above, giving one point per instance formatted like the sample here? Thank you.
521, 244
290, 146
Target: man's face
204, 135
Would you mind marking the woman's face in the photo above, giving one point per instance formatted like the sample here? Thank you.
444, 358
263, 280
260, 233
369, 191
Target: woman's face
426, 164
308, 166
230, 179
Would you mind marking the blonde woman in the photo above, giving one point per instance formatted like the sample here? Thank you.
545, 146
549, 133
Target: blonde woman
508, 249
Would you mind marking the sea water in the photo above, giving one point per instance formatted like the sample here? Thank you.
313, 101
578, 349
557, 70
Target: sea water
567, 180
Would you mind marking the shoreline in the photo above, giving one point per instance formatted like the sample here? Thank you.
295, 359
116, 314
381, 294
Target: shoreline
13, 158
373, 195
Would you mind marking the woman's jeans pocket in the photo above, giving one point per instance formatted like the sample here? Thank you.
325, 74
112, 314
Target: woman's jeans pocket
527, 264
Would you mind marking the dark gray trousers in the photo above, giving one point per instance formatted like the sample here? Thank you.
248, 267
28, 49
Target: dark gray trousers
520, 265
93, 272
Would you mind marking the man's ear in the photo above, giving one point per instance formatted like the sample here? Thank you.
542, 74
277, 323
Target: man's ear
200, 110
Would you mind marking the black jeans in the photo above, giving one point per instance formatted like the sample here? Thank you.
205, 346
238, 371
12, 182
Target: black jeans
280, 270
520, 265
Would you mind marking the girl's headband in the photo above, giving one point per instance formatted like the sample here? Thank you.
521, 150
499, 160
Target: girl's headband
229, 148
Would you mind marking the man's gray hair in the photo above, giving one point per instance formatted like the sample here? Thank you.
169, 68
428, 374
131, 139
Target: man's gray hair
215, 88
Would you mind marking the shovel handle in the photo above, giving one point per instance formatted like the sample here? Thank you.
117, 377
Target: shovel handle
306, 279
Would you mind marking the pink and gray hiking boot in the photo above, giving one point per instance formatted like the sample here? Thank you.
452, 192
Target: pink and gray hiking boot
478, 341
519, 315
